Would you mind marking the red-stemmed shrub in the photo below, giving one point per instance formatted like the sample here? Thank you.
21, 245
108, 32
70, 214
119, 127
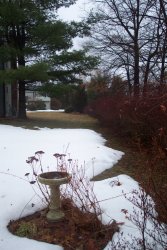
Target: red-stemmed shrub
142, 119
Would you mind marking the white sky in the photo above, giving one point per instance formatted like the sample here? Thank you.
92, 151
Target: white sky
83, 145
75, 12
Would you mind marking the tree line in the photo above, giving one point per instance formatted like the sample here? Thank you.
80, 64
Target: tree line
35, 46
131, 38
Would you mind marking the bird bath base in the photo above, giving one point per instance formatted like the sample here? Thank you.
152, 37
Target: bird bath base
55, 215
54, 180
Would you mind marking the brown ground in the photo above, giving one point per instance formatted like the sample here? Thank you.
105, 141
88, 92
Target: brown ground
76, 231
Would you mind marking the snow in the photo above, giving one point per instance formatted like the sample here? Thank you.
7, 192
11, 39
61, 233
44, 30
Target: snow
47, 110
84, 145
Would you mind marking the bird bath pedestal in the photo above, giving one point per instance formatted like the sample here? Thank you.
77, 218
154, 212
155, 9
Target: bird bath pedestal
54, 180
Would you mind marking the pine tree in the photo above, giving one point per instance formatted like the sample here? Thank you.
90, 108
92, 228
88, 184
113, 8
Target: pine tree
37, 43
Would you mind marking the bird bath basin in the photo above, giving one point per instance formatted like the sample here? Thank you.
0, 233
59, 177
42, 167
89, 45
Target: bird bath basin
54, 180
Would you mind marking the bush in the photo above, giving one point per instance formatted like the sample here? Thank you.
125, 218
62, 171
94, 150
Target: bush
36, 105
144, 119
80, 99
55, 104
69, 110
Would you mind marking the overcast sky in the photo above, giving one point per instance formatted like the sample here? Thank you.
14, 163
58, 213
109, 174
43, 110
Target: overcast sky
75, 12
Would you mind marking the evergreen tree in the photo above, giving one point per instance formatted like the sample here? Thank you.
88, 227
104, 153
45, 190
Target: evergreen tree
37, 45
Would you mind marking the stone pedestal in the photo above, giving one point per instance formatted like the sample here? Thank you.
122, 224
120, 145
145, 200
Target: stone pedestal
54, 180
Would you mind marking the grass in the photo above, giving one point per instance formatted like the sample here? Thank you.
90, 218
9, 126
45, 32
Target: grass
132, 163
53, 120
35, 120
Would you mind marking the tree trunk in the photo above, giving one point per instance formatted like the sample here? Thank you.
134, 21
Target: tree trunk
2, 100
145, 86
22, 101
136, 71
14, 89
136, 50
2, 95
129, 83
21, 62
163, 61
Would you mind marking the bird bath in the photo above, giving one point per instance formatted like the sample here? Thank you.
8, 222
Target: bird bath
54, 180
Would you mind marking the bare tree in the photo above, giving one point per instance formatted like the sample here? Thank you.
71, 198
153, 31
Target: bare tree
131, 36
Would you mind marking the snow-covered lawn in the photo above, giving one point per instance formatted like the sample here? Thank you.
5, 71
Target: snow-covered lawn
16, 195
